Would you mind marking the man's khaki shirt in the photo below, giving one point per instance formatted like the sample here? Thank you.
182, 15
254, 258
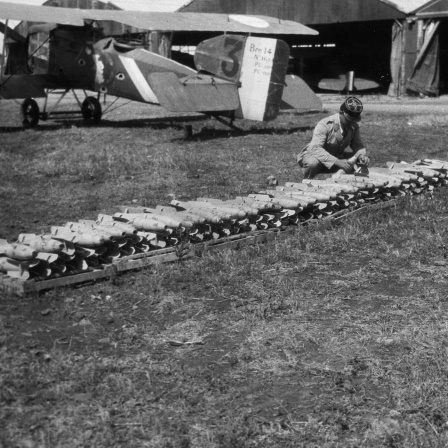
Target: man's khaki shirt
329, 143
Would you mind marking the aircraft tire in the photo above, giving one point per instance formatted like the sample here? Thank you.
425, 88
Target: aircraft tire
91, 110
29, 112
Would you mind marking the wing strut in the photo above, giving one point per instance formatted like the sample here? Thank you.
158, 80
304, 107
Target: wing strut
46, 114
5, 29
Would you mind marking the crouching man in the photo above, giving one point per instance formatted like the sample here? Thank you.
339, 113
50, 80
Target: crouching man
326, 153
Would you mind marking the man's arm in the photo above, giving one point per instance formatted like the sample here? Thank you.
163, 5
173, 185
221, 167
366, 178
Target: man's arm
316, 146
358, 147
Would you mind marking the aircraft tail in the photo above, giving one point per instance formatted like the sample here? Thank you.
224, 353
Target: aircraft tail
258, 66
298, 95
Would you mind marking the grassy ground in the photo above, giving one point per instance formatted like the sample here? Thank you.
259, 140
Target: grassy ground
335, 336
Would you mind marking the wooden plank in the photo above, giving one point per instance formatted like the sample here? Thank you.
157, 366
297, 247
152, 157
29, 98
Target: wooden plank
249, 240
232, 242
12, 286
197, 246
152, 253
17, 287
36, 286
125, 264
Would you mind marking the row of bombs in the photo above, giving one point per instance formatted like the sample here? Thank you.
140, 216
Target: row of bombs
86, 244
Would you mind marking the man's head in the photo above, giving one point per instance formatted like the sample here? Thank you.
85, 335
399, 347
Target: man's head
351, 109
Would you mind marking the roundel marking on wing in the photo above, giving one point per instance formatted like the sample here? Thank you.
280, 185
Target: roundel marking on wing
249, 20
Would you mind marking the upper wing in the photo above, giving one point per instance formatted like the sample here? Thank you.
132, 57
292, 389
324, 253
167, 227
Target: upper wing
31, 13
189, 21
155, 21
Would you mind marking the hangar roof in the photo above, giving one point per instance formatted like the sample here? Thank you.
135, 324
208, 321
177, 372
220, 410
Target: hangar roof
309, 12
435, 8
406, 6
128, 5
151, 5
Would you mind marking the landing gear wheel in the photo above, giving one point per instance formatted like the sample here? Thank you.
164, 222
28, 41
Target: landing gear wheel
29, 112
91, 110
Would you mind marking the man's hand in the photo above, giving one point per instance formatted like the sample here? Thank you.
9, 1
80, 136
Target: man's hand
363, 160
360, 158
344, 164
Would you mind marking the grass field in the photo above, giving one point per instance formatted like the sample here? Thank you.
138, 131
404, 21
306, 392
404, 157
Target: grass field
336, 336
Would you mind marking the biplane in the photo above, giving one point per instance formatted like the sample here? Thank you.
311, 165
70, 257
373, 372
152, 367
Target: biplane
238, 74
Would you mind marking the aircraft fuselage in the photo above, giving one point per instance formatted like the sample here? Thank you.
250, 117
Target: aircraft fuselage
124, 71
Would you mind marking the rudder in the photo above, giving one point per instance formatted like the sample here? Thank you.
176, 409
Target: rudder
257, 64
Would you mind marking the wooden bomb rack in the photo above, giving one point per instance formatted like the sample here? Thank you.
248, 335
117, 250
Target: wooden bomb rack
17, 287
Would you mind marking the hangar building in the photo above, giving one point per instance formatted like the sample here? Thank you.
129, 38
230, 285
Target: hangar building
403, 44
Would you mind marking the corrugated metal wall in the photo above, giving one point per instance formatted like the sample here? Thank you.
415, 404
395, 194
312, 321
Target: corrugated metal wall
81, 4
110, 28
308, 12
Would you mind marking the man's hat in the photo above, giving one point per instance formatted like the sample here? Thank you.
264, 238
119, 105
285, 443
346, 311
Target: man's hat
352, 108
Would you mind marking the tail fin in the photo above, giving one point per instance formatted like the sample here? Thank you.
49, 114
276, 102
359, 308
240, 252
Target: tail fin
257, 64
298, 95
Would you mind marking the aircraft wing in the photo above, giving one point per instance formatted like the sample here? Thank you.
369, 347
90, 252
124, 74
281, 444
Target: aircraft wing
188, 21
32, 13
201, 93
155, 21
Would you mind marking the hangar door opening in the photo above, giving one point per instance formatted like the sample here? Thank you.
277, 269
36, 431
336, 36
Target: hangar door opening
360, 48
443, 56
